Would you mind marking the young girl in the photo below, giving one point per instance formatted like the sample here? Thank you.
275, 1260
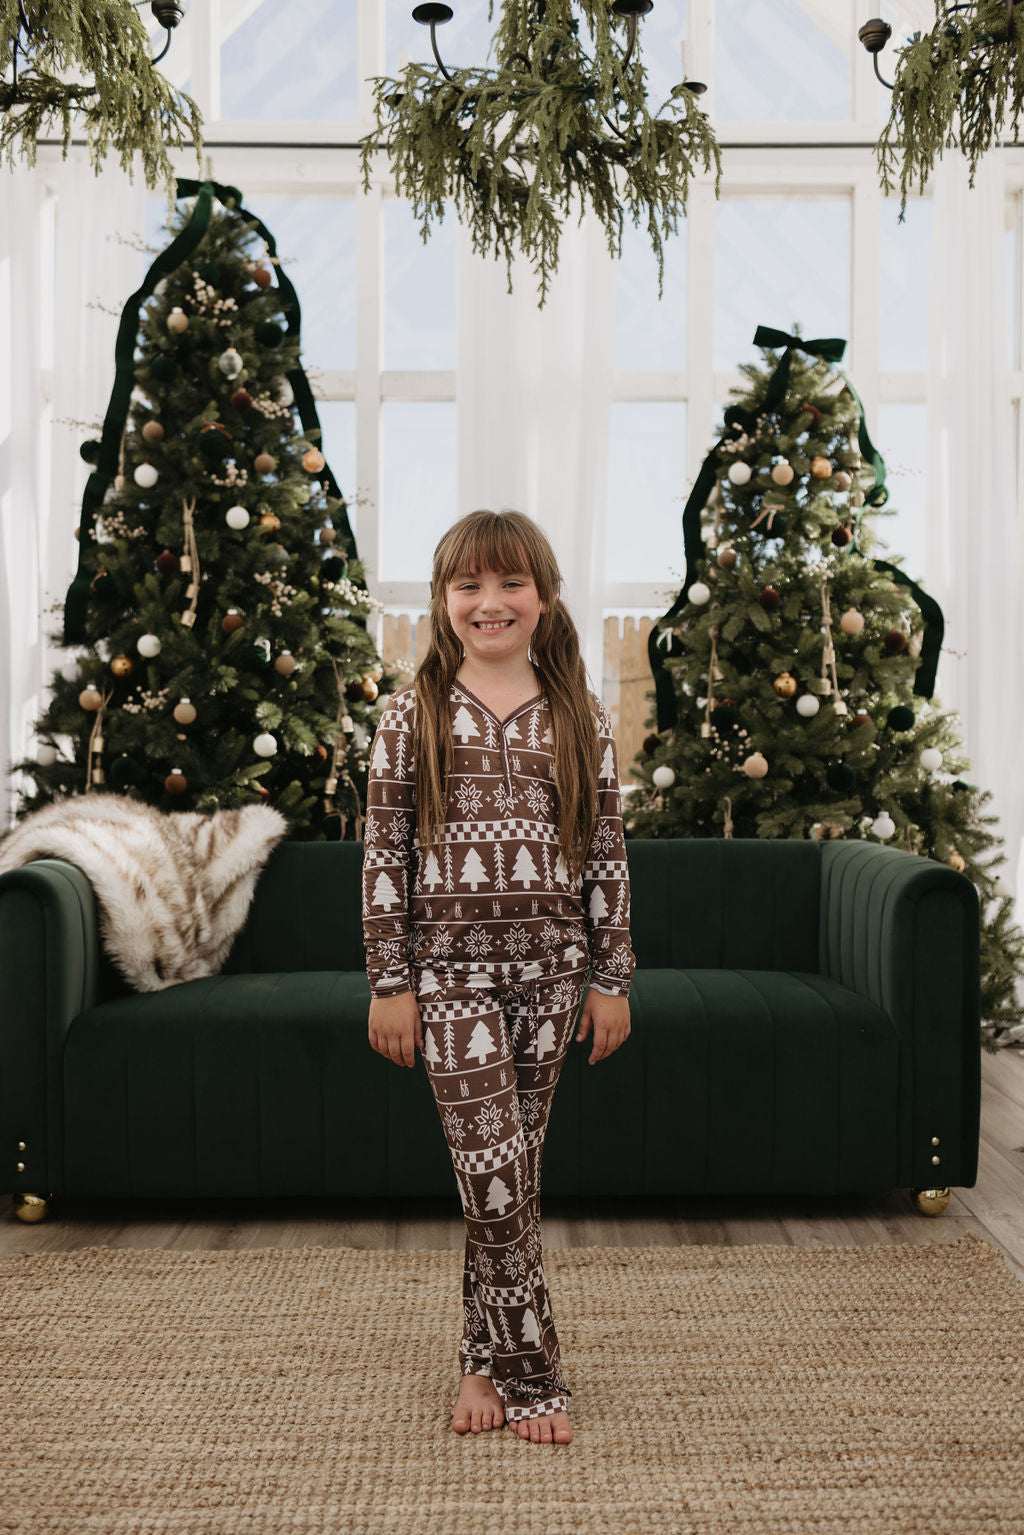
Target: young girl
495, 897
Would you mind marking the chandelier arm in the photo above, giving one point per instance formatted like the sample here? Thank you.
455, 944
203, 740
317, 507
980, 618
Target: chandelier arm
632, 37
874, 60
437, 56
158, 56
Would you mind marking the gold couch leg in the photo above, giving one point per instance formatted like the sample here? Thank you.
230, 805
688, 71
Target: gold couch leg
930, 1201
31, 1207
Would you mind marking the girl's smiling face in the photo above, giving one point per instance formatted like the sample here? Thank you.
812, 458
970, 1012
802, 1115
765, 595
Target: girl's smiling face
494, 613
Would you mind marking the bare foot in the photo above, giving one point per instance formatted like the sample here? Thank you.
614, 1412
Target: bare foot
478, 1405
553, 1428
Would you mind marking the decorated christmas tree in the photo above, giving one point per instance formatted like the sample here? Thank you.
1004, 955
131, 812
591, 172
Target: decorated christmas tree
219, 611
794, 674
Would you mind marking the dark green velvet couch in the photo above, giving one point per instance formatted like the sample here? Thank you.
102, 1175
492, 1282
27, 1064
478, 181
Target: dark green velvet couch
805, 1019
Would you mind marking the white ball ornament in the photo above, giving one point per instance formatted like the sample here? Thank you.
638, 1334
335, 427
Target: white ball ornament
699, 593
46, 755
230, 363
285, 393
265, 745
146, 476
807, 705
883, 826
851, 622
739, 472
148, 645
931, 759
756, 766
237, 517
663, 777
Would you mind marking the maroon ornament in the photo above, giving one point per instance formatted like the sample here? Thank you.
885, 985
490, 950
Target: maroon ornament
241, 400
651, 743
841, 536
769, 599
860, 719
262, 277
167, 563
895, 641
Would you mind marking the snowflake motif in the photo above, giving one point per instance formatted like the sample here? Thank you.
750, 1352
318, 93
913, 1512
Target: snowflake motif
390, 951
514, 1266
478, 943
399, 831
529, 1108
504, 799
538, 800
517, 940
469, 797
550, 936
454, 1128
484, 1266
417, 941
441, 942
620, 960
564, 995
532, 1244
371, 830
489, 1120
604, 837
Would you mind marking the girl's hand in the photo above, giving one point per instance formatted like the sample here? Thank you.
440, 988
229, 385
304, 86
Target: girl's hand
610, 1017
395, 1027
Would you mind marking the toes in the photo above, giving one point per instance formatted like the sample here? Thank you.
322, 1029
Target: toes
545, 1430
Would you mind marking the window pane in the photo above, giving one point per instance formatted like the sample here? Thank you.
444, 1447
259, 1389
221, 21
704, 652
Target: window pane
905, 259
774, 63
650, 333
419, 289
646, 492
1012, 296
338, 444
417, 486
901, 438
316, 243
294, 63
779, 262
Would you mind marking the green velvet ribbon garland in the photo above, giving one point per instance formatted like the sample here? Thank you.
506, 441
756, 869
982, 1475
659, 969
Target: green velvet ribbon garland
663, 641
102, 477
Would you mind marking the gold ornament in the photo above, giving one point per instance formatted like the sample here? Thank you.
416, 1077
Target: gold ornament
285, 663
785, 685
185, 712
90, 698
263, 463
231, 621
177, 321
327, 535
313, 461
727, 559
957, 861
176, 782
122, 666
821, 468
153, 431
369, 689
782, 473
270, 522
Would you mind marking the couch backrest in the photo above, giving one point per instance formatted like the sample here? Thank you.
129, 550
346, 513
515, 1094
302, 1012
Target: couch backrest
724, 904
694, 902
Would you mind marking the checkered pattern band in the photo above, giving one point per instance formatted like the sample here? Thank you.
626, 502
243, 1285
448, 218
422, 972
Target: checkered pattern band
487, 1159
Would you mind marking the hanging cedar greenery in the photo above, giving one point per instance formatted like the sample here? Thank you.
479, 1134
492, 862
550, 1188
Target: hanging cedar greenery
88, 68
952, 88
512, 145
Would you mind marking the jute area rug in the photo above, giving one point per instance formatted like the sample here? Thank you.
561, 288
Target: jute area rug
743, 1389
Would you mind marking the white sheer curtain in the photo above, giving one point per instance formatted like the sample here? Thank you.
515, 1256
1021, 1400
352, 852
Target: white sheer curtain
58, 255
975, 550
534, 398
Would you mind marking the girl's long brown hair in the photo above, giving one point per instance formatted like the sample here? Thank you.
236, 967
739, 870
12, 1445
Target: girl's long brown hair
506, 542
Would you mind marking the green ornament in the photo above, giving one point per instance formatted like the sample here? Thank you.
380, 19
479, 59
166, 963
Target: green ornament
900, 718
164, 367
209, 271
724, 717
268, 333
255, 658
214, 442
332, 568
90, 452
841, 776
125, 772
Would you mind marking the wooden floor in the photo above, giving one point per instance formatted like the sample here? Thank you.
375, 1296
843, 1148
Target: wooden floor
994, 1208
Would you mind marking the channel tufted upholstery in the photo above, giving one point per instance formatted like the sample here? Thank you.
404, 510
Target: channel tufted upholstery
805, 1018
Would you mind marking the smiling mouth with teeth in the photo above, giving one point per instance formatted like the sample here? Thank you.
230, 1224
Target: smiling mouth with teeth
502, 625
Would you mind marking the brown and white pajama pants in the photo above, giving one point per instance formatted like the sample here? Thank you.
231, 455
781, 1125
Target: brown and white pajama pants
494, 1039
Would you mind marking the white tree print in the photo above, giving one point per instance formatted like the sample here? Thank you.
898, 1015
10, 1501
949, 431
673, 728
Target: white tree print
598, 904
561, 872
381, 761
531, 1331
474, 871
499, 873
449, 1045
607, 770
384, 892
431, 872
545, 1038
429, 984
463, 725
512, 731
498, 1195
525, 870
481, 1044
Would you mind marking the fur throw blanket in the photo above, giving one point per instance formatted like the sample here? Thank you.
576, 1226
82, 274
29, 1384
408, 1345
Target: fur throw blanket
173, 890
